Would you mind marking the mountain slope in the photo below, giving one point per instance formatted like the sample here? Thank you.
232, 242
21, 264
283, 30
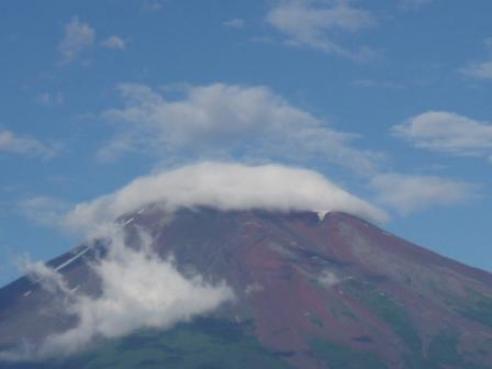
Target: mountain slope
335, 292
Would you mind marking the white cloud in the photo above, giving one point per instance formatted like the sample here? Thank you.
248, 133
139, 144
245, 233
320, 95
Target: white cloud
316, 23
328, 278
482, 69
225, 187
48, 278
138, 290
114, 42
78, 37
221, 121
407, 193
234, 23
447, 132
14, 144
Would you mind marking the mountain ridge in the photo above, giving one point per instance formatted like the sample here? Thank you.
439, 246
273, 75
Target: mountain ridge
315, 290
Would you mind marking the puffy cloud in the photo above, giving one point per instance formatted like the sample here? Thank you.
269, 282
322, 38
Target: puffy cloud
14, 144
78, 37
315, 23
447, 132
220, 121
225, 187
114, 42
138, 290
407, 193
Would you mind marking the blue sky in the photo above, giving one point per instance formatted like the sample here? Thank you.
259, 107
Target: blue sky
390, 99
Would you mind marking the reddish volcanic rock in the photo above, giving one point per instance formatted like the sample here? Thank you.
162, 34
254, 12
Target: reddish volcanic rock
313, 289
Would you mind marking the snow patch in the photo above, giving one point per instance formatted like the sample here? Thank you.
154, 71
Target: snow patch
71, 260
322, 214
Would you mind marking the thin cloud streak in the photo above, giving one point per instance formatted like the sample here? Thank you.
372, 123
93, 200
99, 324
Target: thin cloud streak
12, 143
447, 132
411, 193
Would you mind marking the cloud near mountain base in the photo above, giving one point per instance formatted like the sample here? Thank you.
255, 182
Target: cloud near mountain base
138, 290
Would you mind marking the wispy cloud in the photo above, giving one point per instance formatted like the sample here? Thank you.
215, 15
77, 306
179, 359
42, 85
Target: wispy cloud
236, 23
222, 121
481, 69
316, 23
153, 5
50, 99
12, 143
372, 83
129, 297
114, 42
414, 4
44, 210
447, 132
78, 37
410, 193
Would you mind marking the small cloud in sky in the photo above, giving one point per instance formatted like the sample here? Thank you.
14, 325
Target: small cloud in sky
481, 69
236, 23
408, 193
12, 143
50, 99
114, 42
317, 23
447, 132
221, 121
78, 37
372, 83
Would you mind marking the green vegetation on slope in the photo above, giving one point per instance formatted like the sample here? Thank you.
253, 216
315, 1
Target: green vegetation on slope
202, 344
478, 307
336, 356
443, 349
388, 311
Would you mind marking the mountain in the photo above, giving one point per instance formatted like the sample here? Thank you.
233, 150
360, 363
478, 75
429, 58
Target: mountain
311, 291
